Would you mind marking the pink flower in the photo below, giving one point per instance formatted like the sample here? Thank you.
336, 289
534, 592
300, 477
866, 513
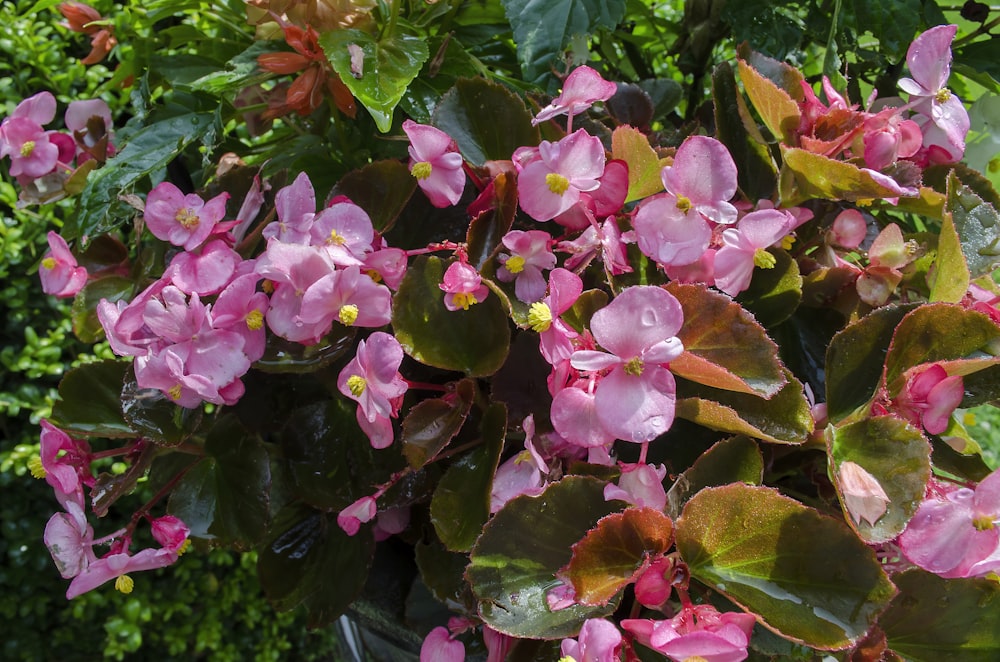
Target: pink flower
349, 297
670, 231
351, 518
372, 380
698, 631
635, 399
653, 588
435, 163
65, 463
604, 240
295, 206
929, 397
954, 531
555, 335
521, 474
115, 566
182, 220
205, 271
745, 248
170, 532
31, 150
70, 540
345, 232
580, 90
463, 286
89, 122
439, 646
640, 485
598, 641
889, 137
240, 308
552, 184
530, 253
293, 269
59, 272
849, 229
703, 178
864, 497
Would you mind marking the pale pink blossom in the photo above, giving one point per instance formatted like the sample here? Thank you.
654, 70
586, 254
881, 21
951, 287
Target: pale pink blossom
556, 337
598, 641
849, 229
114, 566
670, 231
183, 220
372, 380
463, 286
361, 511
574, 416
521, 474
240, 308
552, 184
640, 485
888, 137
295, 206
698, 631
292, 269
745, 247
344, 230
89, 122
929, 397
439, 646
435, 163
59, 271
530, 254
70, 540
204, 271
580, 90
603, 240
703, 178
348, 297
863, 495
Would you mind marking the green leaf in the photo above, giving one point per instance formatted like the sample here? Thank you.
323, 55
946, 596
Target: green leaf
982, 56
240, 72
443, 572
775, 293
779, 111
310, 561
951, 273
461, 502
148, 150
943, 620
90, 401
432, 423
897, 455
783, 419
86, 326
724, 346
893, 23
228, 493
153, 415
757, 173
632, 146
486, 120
978, 225
381, 188
733, 460
855, 359
805, 176
515, 561
611, 553
939, 332
474, 341
806, 576
542, 28
390, 63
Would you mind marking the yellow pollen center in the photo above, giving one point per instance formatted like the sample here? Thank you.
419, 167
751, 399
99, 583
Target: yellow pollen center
523, 456
464, 299
983, 523
557, 183
348, 314
684, 203
255, 320
515, 264
374, 275
36, 468
421, 170
539, 317
175, 392
185, 546
27, 148
942, 95
267, 286
124, 584
357, 385
695, 658
49, 263
187, 218
336, 238
787, 242
633, 367
763, 259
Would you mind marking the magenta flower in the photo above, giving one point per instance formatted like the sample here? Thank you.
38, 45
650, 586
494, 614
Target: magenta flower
552, 184
65, 463
598, 641
293, 269
635, 399
954, 531
170, 532
349, 297
555, 335
463, 286
435, 163
240, 308
746, 247
31, 150
59, 272
580, 90
372, 380
182, 220
439, 646
351, 518
703, 178
698, 632
115, 566
205, 271
530, 253
929, 397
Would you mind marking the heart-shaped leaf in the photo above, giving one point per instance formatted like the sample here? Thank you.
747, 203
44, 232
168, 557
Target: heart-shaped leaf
432, 423
90, 401
779, 111
733, 460
632, 146
382, 189
807, 576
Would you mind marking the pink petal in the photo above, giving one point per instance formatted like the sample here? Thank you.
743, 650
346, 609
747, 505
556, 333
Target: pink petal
637, 319
636, 408
704, 172
929, 57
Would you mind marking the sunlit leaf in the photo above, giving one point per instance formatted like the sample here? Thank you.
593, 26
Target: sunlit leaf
632, 146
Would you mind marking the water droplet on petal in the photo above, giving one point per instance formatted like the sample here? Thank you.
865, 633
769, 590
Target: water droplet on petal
648, 317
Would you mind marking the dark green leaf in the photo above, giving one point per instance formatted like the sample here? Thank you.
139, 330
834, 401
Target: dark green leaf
90, 401
488, 228
978, 224
808, 577
474, 341
443, 572
382, 189
983, 55
434, 422
515, 560
153, 415
756, 171
774, 293
733, 460
86, 326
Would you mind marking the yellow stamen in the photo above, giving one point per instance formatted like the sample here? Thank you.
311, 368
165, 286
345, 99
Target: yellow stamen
36, 468
255, 320
49, 263
983, 523
124, 584
336, 239
539, 317
942, 95
187, 218
267, 286
763, 259
684, 203
185, 546
969, 418
464, 299
515, 264
27, 148
695, 658
633, 367
421, 170
348, 314
175, 392
557, 183
374, 275
357, 385
788, 241
523, 456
